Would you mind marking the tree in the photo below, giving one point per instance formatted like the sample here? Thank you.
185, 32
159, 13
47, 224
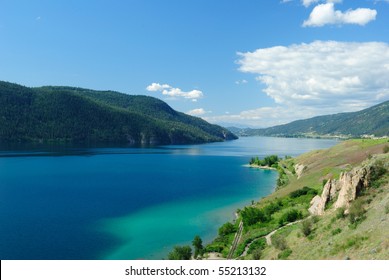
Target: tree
226, 229
180, 253
252, 215
198, 246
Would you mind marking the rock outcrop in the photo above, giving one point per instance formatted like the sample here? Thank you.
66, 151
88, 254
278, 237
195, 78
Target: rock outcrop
317, 206
299, 168
350, 185
345, 190
319, 203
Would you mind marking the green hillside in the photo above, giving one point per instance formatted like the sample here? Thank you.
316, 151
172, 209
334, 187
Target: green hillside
371, 121
280, 226
81, 115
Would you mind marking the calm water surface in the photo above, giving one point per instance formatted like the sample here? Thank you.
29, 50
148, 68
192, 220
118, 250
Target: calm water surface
63, 202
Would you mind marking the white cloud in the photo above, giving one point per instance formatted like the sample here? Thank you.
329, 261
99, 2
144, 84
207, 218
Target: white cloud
307, 3
157, 87
321, 77
197, 112
326, 14
170, 91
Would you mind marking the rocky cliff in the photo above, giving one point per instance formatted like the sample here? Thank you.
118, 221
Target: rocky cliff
349, 185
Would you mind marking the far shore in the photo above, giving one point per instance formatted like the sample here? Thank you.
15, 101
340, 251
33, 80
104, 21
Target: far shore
259, 166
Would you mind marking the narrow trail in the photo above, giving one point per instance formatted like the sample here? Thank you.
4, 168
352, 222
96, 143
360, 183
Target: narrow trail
268, 237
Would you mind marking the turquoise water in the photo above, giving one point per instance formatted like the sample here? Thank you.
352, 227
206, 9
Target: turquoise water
62, 202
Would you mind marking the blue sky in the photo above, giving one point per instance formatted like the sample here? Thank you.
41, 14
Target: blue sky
249, 62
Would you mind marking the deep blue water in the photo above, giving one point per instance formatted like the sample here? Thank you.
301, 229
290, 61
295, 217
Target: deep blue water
63, 202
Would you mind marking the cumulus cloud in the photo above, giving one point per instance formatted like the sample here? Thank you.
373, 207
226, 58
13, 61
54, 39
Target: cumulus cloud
157, 87
197, 112
326, 14
308, 3
170, 91
328, 76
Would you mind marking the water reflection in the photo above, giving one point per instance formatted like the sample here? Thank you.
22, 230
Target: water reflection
246, 146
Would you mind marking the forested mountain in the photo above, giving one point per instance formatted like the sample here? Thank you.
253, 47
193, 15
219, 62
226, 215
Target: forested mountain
82, 115
371, 121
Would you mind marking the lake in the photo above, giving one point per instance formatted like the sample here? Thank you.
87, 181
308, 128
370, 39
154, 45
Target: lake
67, 202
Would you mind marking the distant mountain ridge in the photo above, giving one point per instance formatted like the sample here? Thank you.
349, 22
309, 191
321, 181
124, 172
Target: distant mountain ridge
82, 115
370, 121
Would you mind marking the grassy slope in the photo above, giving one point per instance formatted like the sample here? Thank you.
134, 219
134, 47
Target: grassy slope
332, 238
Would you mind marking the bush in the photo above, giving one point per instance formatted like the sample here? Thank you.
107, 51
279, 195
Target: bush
336, 231
386, 149
257, 244
284, 254
226, 229
356, 211
305, 190
257, 254
180, 253
252, 215
279, 242
340, 213
214, 248
271, 208
376, 174
290, 216
315, 219
306, 227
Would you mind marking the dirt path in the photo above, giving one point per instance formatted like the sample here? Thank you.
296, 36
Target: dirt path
268, 237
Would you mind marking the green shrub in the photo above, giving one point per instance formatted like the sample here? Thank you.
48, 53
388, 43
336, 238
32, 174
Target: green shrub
252, 215
257, 253
180, 253
305, 190
340, 213
386, 149
271, 208
284, 254
214, 248
290, 216
257, 244
356, 211
306, 227
378, 170
315, 219
226, 229
336, 231
279, 242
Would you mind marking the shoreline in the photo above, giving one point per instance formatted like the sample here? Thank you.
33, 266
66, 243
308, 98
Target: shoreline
260, 167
